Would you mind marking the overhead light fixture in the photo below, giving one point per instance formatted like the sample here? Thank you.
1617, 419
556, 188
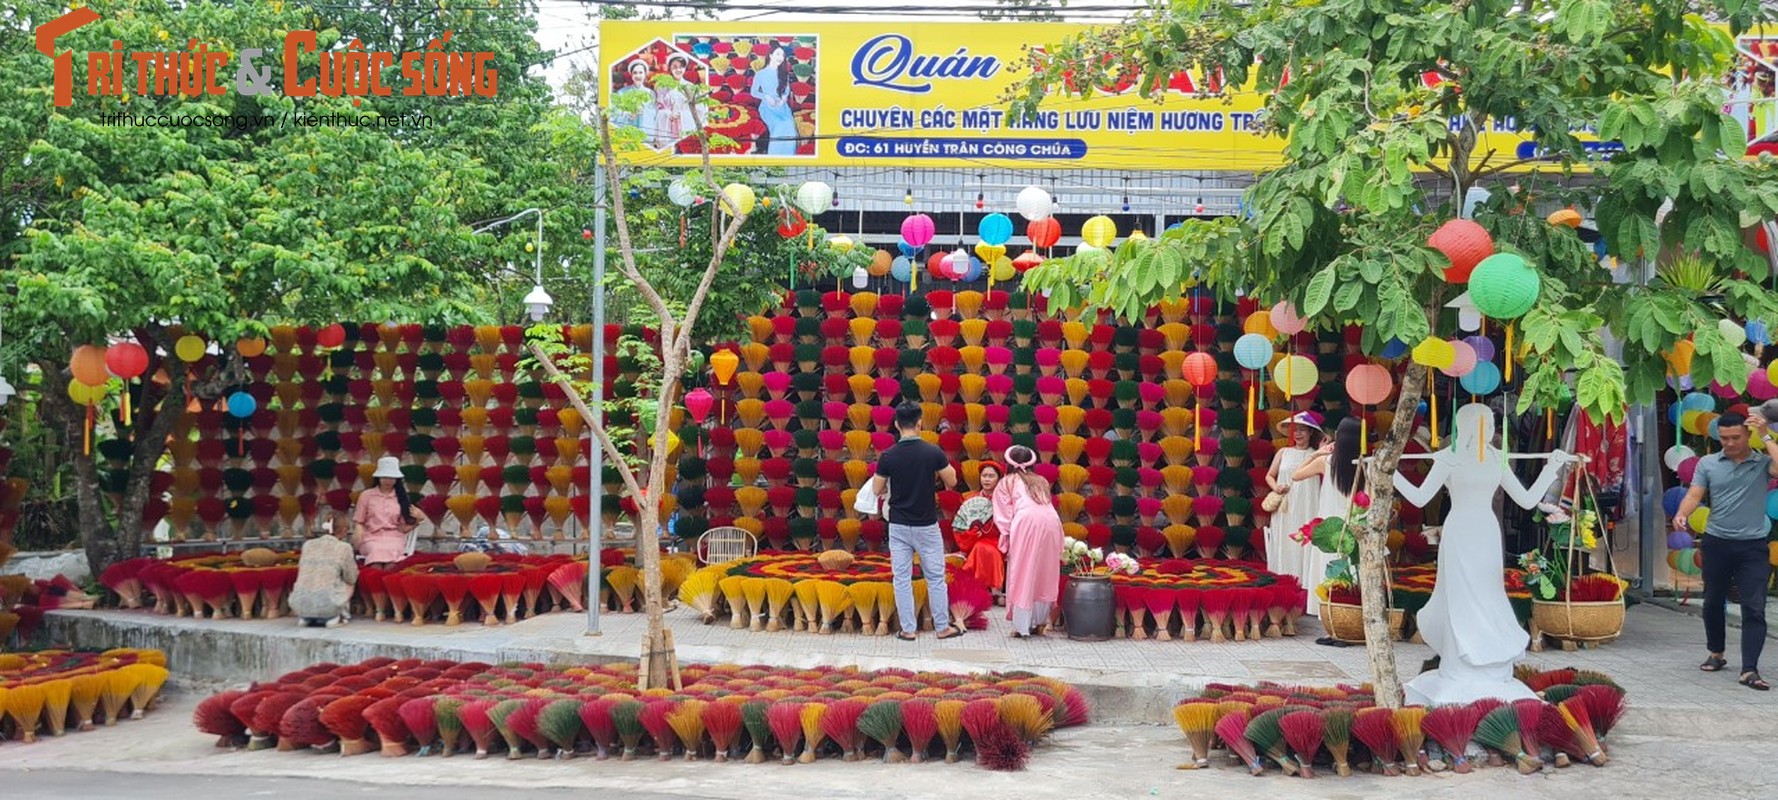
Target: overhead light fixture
538, 303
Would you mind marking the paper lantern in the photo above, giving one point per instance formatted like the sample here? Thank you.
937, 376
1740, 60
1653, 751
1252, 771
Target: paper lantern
1099, 231
1699, 518
958, 264
1199, 369
723, 364
330, 336
740, 196
88, 365
1034, 204
1465, 244
1679, 359
1254, 350
1004, 269
1567, 217
1295, 375
1260, 323
1044, 232
1503, 286
792, 225
1732, 332
901, 269
880, 263
917, 230
1026, 261
1286, 320
994, 229
1759, 386
241, 405
1484, 379
126, 360
681, 194
250, 346
1676, 455
841, 244
189, 348
1463, 360
82, 394
1368, 384
698, 403
814, 197
1434, 352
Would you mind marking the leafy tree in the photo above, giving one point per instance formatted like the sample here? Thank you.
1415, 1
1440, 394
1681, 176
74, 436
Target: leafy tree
1379, 104
223, 231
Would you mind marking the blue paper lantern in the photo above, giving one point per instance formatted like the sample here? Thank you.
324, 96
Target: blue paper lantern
1679, 540
901, 269
1671, 499
1396, 348
1713, 433
1484, 379
1253, 351
1757, 333
976, 267
907, 250
1699, 401
995, 229
241, 405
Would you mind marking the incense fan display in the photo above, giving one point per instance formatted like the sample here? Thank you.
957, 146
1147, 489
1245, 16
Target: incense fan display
1182, 598
822, 594
54, 691
1300, 729
722, 712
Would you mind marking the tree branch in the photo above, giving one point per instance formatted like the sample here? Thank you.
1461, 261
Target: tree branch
625, 247
594, 422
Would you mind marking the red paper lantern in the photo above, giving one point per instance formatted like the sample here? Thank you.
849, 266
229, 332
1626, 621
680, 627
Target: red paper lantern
331, 336
1044, 232
1199, 369
792, 224
126, 360
1463, 242
1026, 261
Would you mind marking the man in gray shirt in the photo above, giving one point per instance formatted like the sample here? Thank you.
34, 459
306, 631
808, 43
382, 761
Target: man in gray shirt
1735, 480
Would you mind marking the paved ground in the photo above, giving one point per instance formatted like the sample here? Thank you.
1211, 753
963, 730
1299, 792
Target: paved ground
1689, 734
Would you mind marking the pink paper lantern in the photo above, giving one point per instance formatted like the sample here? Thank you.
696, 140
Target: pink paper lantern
1286, 320
698, 403
917, 230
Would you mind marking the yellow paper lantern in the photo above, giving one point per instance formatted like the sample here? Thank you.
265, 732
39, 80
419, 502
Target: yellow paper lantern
1137, 235
841, 244
740, 196
1295, 375
1772, 372
189, 348
1435, 352
1689, 421
1566, 217
1679, 359
1099, 231
1005, 271
1699, 518
83, 394
1260, 322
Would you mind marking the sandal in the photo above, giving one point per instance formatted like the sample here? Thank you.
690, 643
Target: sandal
906, 637
1752, 680
1713, 664
952, 632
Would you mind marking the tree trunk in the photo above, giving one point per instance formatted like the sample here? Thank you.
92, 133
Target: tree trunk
657, 650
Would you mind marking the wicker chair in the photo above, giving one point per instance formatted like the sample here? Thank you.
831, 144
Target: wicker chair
726, 544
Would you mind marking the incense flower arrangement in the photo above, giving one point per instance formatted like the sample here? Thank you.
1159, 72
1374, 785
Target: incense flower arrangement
52, 691
1302, 730
796, 591
722, 712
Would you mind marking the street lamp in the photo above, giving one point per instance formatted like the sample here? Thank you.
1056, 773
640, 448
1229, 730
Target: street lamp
538, 302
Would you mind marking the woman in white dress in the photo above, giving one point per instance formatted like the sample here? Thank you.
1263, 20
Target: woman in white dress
1301, 498
1336, 463
1468, 620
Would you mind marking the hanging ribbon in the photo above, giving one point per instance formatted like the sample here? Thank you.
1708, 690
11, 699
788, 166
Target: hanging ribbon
1364, 430
126, 403
1509, 353
1197, 421
1432, 406
87, 439
1549, 424
1481, 448
1250, 391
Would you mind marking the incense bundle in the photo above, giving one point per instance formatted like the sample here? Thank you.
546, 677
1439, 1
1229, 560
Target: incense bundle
148, 679
754, 591
1605, 707
384, 717
478, 721
1499, 729
1337, 736
1411, 738
864, 601
56, 694
1375, 728
919, 719
786, 722
735, 595
569, 582
1580, 741
1452, 727
949, 715
344, 719
807, 603
596, 717
723, 721
1159, 602
215, 717
655, 719
1303, 732
1197, 720
24, 704
1027, 715
814, 720
759, 729
301, 725
626, 715
447, 714
882, 722
1232, 731
779, 593
559, 722
419, 716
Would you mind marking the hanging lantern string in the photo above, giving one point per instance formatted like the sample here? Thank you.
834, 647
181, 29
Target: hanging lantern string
1364, 430
87, 439
1432, 405
1250, 404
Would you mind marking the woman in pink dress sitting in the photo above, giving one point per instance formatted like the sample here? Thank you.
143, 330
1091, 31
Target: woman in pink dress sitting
977, 537
1031, 536
384, 516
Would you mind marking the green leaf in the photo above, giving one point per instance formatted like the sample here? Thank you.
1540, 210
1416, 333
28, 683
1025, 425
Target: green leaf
1319, 291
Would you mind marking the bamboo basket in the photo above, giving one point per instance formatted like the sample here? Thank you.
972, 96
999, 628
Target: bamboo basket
1578, 622
1343, 622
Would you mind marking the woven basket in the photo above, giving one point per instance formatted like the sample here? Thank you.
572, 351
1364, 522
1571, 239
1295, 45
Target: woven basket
1343, 622
1580, 622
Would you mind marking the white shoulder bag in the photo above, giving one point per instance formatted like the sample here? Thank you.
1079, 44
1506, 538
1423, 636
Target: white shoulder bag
867, 501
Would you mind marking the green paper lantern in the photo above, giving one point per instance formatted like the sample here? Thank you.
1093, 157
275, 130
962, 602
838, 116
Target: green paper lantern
1503, 286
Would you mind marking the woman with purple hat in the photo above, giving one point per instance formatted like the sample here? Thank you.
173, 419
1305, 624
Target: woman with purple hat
1299, 498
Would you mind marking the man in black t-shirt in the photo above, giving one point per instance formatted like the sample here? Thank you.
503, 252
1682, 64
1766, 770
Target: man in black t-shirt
907, 473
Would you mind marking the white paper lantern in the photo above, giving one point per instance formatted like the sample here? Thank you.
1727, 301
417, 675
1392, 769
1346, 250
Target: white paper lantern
681, 194
860, 278
1034, 203
814, 197
959, 264
1469, 319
